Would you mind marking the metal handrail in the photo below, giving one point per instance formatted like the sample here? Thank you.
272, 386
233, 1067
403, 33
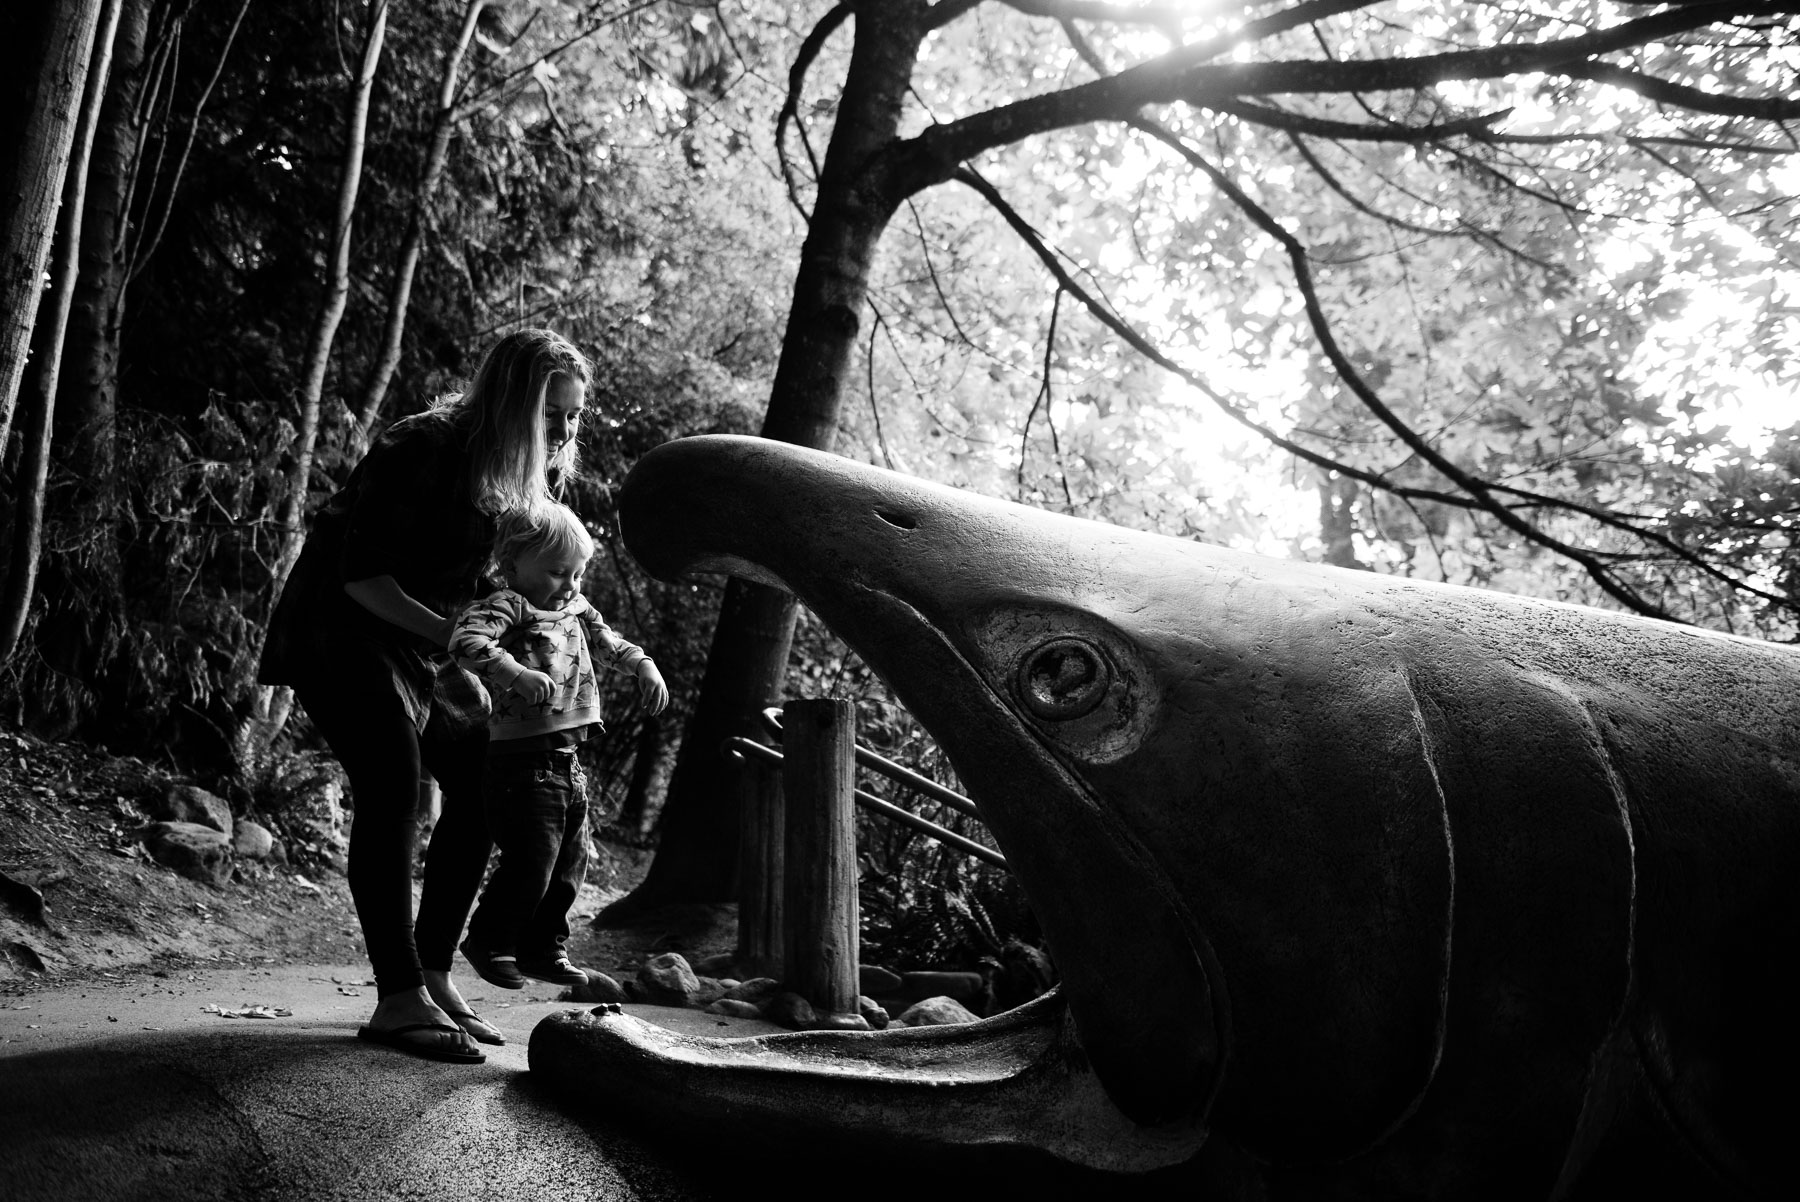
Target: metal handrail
899, 773
744, 749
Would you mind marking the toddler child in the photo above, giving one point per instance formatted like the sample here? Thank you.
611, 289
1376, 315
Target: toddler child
536, 643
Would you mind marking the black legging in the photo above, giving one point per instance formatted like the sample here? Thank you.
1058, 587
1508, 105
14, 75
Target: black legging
361, 716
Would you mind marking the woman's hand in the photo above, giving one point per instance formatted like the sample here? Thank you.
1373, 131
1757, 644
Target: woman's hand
534, 687
652, 692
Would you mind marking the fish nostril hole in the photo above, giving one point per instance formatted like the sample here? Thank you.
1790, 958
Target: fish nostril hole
899, 520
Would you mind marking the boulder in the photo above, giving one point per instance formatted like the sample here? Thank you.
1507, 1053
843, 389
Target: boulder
710, 990
732, 1008
873, 1012
877, 981
197, 852
757, 991
790, 1010
252, 840
963, 986
667, 980
1025, 972
191, 803
720, 965
935, 1012
599, 988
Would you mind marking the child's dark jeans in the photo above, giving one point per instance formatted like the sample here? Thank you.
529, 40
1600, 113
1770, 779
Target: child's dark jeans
536, 805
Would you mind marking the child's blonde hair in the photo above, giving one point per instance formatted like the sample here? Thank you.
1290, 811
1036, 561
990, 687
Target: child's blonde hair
502, 416
545, 526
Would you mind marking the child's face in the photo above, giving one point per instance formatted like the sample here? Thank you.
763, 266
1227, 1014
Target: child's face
547, 578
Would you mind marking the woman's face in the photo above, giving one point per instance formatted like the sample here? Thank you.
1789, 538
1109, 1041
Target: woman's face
564, 399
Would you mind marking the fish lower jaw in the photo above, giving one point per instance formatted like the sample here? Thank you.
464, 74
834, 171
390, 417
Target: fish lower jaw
1018, 1079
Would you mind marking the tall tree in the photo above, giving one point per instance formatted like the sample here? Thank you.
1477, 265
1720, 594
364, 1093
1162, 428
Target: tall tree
34, 460
335, 296
58, 39
1343, 73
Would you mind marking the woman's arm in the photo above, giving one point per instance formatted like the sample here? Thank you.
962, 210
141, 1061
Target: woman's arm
383, 597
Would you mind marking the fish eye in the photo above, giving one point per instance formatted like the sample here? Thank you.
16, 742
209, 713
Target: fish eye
1064, 678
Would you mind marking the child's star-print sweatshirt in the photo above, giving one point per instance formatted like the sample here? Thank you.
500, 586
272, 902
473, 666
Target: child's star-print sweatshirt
503, 635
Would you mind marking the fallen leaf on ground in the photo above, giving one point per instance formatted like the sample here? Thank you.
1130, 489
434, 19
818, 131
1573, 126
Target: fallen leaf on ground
248, 1011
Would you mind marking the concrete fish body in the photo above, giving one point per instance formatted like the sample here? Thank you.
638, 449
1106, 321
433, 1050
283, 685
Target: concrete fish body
1383, 888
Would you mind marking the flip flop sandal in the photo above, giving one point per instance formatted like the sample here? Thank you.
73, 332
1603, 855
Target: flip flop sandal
435, 1050
495, 1039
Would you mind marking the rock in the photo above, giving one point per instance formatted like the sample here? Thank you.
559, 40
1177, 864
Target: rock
790, 1010
935, 1012
872, 1011
732, 1008
840, 1022
757, 991
197, 852
963, 986
710, 990
721, 965
599, 988
877, 981
252, 840
667, 980
191, 803
1025, 972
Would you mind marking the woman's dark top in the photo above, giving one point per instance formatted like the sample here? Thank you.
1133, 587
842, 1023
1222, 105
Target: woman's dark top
406, 512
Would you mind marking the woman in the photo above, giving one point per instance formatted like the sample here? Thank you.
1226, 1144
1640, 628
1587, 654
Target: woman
360, 633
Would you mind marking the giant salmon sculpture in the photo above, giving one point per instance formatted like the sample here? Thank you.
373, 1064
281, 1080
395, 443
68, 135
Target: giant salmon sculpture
1358, 886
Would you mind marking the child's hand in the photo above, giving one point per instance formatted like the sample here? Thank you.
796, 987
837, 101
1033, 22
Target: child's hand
651, 689
534, 687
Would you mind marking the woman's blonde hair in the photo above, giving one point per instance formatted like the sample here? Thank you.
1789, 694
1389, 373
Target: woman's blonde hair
502, 417
543, 526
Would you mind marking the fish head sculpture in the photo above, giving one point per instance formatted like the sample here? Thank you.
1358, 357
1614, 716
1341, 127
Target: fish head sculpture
1338, 869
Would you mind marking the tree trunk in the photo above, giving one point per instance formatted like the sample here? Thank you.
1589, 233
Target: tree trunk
87, 397
443, 125
34, 459
331, 307
698, 847
34, 185
268, 706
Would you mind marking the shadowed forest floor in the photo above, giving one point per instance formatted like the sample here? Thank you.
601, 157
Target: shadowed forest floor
79, 895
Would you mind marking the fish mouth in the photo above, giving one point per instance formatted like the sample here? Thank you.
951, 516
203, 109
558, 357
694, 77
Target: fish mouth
1114, 1070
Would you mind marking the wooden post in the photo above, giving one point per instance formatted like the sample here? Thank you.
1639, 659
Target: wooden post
760, 846
819, 777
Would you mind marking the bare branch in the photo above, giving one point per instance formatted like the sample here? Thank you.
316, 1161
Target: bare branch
937, 284
1112, 321
790, 107
1181, 75
945, 11
1768, 108
1099, 11
1042, 401
1320, 127
874, 405
147, 246
1479, 489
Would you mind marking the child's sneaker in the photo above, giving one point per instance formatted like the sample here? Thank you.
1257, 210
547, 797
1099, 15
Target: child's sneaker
501, 970
555, 969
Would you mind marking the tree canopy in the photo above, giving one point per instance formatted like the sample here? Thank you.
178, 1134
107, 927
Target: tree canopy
1486, 293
